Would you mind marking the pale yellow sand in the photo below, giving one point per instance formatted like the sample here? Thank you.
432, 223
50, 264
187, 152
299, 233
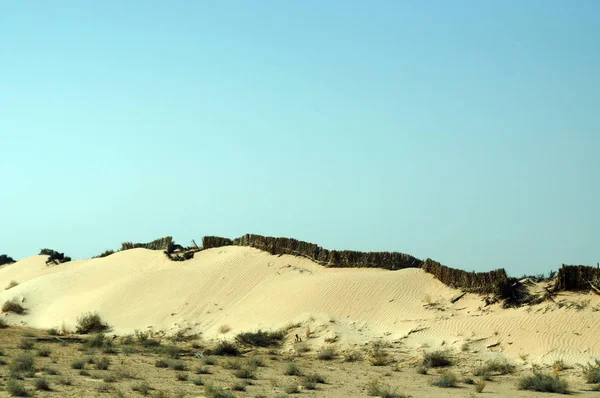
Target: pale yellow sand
247, 289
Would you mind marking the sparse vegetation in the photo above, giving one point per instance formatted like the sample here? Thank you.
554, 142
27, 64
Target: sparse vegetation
292, 389
543, 383
291, 369
44, 352
480, 385
592, 372
377, 389
22, 364
379, 357
89, 323
105, 253
16, 388
13, 306
26, 344
212, 391
11, 285
260, 338
41, 384
353, 356
246, 372
437, 359
494, 367
327, 353
102, 363
142, 387
446, 380
226, 348
78, 364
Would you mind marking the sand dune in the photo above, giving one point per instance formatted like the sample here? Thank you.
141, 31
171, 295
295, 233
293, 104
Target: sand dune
246, 288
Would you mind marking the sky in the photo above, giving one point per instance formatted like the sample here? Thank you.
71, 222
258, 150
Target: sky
463, 131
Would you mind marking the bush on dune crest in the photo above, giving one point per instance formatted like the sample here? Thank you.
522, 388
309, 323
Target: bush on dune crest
4, 259
54, 256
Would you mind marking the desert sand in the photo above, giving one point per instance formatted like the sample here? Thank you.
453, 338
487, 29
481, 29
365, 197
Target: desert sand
228, 290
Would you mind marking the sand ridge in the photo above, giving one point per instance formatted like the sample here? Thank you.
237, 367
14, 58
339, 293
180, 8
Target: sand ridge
246, 289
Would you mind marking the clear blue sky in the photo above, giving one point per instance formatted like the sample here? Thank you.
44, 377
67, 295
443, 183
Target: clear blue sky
464, 131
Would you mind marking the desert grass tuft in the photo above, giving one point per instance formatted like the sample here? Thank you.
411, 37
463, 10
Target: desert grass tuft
16, 388
543, 383
327, 353
437, 359
446, 380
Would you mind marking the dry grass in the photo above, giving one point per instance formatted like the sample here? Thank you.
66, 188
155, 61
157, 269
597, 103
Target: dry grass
254, 373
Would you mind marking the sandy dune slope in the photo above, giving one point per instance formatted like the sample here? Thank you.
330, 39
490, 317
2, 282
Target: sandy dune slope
244, 288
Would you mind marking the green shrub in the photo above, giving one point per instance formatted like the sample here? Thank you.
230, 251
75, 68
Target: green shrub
245, 373
592, 372
226, 348
22, 363
239, 386
3, 324
65, 381
52, 332
41, 384
26, 344
422, 369
437, 359
13, 306
78, 364
142, 387
51, 371
543, 383
44, 352
177, 365
161, 364
209, 361
292, 389
260, 338
181, 376
256, 361
102, 363
327, 353
170, 351
16, 388
494, 367
212, 391
90, 322
291, 369
446, 380
315, 378
198, 381
376, 389
96, 340
202, 370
